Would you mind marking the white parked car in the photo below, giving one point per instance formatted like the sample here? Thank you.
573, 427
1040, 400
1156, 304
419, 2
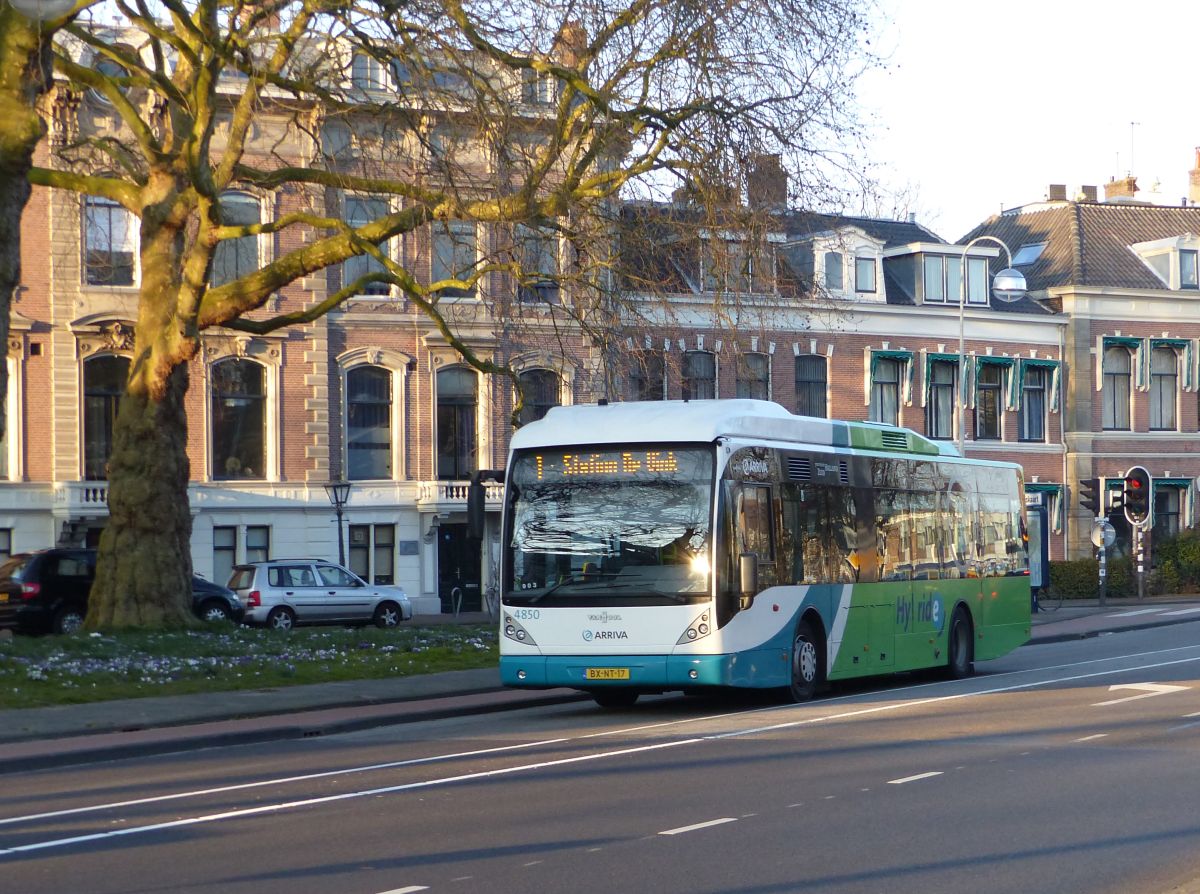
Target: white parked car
282, 593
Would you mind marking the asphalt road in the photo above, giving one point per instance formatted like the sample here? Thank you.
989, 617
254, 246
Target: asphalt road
1063, 767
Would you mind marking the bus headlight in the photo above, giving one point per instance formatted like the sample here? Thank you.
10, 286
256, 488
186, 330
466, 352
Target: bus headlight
516, 632
698, 629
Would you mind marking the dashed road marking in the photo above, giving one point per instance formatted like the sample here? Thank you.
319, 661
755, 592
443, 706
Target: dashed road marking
1090, 738
707, 825
928, 775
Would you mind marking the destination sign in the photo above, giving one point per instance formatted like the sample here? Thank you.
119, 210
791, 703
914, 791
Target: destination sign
603, 464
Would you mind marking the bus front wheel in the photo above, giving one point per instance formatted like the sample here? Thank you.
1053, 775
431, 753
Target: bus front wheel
806, 664
615, 698
961, 660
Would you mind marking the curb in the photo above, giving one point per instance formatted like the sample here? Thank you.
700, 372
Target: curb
1091, 634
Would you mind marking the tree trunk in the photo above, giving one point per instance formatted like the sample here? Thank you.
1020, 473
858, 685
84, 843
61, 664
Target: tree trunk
144, 570
24, 73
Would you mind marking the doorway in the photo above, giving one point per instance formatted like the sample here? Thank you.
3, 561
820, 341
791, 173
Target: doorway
459, 569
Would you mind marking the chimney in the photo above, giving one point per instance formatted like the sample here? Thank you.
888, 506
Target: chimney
1120, 189
1088, 194
570, 44
1057, 193
767, 183
1194, 181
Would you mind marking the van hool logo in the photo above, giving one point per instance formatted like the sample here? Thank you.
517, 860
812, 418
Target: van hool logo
752, 466
604, 617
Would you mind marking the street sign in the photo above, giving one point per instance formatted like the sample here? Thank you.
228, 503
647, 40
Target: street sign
1103, 534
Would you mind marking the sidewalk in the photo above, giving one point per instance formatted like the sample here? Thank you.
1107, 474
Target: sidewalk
36, 738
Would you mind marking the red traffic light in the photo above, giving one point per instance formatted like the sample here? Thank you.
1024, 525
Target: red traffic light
1137, 495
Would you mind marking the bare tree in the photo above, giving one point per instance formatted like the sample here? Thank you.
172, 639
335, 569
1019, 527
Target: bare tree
367, 121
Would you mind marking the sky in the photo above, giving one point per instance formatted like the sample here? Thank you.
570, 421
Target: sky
980, 107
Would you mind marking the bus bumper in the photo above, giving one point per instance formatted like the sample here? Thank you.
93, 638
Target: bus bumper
650, 672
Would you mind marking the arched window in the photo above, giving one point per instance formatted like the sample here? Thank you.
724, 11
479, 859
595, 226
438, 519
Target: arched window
456, 436
368, 423
1117, 366
234, 258
103, 384
542, 391
238, 419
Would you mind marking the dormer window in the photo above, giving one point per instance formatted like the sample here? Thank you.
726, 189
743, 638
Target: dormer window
864, 274
943, 280
1187, 269
833, 271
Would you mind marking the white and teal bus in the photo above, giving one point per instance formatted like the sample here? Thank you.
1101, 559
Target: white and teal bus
658, 546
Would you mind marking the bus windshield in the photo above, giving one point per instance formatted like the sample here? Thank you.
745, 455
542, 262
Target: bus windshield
609, 526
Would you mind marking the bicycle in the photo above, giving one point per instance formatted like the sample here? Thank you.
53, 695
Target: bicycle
1048, 600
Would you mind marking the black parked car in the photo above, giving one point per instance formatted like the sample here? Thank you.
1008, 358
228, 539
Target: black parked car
47, 592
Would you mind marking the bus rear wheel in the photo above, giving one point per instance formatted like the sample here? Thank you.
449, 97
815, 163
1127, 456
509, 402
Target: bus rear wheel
615, 698
806, 664
960, 662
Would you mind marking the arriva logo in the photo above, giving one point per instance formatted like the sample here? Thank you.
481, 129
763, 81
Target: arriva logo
751, 466
589, 635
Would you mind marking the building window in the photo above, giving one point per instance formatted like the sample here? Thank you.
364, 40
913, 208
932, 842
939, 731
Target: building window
542, 390
647, 377
368, 73
103, 384
538, 87
1028, 253
1187, 269
754, 376
373, 553
1032, 421
109, 243
885, 392
537, 255
456, 435
1117, 366
238, 420
360, 211
454, 255
235, 258
258, 543
989, 402
1167, 510
811, 386
1164, 382
864, 274
942, 276
699, 375
5, 543
833, 271
369, 423
224, 552
939, 412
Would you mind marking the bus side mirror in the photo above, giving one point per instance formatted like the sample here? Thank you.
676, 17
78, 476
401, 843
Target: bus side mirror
747, 577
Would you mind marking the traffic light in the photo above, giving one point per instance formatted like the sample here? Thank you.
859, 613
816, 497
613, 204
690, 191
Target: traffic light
1137, 495
1089, 495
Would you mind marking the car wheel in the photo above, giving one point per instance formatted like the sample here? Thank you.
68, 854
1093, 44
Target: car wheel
615, 698
68, 619
281, 618
214, 611
387, 614
961, 659
806, 664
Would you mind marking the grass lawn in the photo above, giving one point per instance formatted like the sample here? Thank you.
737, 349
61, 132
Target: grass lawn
82, 667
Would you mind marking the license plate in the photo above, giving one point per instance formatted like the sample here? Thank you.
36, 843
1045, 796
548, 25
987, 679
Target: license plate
606, 673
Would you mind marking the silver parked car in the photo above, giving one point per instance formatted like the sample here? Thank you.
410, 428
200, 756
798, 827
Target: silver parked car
282, 593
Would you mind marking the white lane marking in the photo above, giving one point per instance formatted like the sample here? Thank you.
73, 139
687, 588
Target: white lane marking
411, 889
284, 780
919, 776
693, 828
1140, 611
1193, 714
344, 796
1148, 690
1090, 738
1182, 611
271, 808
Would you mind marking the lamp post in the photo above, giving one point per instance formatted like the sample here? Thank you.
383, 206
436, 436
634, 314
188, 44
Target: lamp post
1008, 285
339, 494
42, 10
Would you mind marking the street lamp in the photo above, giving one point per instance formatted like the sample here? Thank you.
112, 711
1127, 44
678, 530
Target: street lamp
339, 494
1008, 286
42, 10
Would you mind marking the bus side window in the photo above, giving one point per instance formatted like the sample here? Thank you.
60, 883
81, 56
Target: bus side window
754, 517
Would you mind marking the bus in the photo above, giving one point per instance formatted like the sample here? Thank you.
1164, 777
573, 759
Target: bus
690, 545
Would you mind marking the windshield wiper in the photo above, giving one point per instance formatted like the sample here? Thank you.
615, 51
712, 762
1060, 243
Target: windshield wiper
577, 577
